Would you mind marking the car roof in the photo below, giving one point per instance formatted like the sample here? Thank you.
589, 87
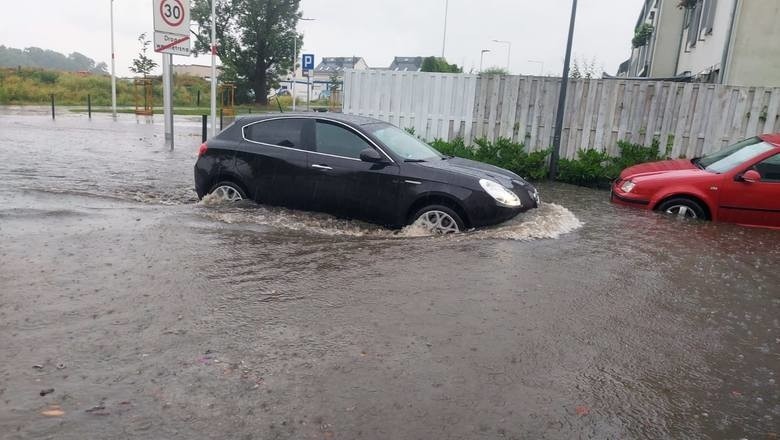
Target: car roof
353, 120
773, 139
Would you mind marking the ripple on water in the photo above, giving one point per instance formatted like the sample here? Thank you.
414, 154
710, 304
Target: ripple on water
549, 221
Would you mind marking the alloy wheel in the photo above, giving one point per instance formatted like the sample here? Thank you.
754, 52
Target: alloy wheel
682, 211
227, 193
438, 222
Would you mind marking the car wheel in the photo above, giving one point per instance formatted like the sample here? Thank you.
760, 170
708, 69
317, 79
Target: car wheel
683, 208
438, 219
228, 191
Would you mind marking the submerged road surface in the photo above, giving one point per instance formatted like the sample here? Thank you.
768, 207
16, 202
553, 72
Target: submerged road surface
130, 310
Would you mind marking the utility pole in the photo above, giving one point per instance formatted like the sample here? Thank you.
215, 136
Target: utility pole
213, 68
444, 38
556, 152
113, 65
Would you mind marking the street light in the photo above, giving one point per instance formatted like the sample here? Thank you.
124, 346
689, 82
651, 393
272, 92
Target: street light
562, 96
541, 64
113, 65
481, 58
444, 38
295, 60
508, 52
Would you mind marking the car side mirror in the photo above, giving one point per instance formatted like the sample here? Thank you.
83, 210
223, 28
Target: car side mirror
750, 176
371, 155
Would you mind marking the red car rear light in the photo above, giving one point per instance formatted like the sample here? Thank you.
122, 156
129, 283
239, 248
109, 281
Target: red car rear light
203, 149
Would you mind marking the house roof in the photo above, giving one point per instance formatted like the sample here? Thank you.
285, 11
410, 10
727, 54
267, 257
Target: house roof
337, 64
407, 64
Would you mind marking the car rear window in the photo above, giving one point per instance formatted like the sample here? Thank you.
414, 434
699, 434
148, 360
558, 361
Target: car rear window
280, 132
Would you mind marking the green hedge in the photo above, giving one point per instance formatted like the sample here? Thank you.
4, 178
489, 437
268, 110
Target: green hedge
591, 168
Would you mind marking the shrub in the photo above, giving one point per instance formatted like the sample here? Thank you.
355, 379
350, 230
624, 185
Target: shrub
502, 153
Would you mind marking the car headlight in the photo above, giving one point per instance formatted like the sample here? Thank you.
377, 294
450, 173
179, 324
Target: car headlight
627, 186
502, 195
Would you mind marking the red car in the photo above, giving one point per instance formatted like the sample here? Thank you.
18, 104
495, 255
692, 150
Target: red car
740, 184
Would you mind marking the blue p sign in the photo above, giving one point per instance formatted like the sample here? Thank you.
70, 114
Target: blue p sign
308, 61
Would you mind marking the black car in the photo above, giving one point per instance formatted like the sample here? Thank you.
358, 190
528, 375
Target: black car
356, 167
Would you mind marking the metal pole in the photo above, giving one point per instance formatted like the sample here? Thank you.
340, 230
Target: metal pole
168, 98
295, 71
113, 65
52, 106
562, 97
213, 68
204, 132
508, 57
221, 120
89, 106
198, 98
444, 38
308, 91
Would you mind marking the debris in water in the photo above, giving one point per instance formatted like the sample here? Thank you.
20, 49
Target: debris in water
46, 391
38, 366
60, 366
53, 411
98, 410
582, 410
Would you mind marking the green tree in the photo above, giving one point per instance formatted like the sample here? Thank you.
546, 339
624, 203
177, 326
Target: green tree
255, 39
143, 65
436, 64
495, 71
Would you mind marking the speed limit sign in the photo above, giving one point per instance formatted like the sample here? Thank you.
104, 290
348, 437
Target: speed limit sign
172, 16
172, 26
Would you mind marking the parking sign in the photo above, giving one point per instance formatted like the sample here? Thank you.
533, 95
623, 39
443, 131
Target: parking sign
308, 61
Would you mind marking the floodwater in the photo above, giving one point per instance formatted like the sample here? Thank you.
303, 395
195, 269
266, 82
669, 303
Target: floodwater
128, 309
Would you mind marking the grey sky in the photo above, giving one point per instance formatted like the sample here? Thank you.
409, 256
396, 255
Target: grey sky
374, 29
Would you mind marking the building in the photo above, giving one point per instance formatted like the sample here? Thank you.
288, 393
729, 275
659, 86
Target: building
407, 64
719, 41
198, 70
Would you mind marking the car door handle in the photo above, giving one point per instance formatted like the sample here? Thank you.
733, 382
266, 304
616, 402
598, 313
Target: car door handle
321, 167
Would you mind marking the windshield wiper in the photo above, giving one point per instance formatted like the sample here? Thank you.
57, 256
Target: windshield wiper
415, 160
697, 161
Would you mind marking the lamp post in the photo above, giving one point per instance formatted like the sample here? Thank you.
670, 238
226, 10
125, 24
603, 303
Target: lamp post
482, 58
213, 68
556, 151
295, 62
444, 38
508, 52
113, 65
541, 66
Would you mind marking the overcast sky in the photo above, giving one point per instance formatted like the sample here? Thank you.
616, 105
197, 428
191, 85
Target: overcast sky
376, 30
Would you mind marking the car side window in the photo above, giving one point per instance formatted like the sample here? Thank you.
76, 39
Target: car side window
770, 169
339, 141
288, 132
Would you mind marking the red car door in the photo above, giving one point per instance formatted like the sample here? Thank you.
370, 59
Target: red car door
753, 203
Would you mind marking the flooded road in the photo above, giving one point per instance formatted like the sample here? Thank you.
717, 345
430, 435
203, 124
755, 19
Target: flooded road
130, 310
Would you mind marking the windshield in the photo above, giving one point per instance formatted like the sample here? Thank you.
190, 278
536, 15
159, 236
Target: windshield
734, 156
403, 144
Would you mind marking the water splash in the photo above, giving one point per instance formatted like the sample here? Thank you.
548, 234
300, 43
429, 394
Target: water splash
550, 221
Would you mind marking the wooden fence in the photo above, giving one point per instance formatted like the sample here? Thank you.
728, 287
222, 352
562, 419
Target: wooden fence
689, 118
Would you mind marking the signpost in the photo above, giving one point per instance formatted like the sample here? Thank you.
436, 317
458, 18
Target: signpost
307, 65
171, 37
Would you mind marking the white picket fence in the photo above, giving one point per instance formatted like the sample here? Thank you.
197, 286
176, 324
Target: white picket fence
691, 118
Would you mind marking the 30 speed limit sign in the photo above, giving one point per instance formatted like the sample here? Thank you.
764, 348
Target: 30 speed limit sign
172, 26
172, 16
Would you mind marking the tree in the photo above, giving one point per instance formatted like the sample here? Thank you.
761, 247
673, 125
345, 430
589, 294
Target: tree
582, 68
436, 64
143, 65
495, 70
255, 39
